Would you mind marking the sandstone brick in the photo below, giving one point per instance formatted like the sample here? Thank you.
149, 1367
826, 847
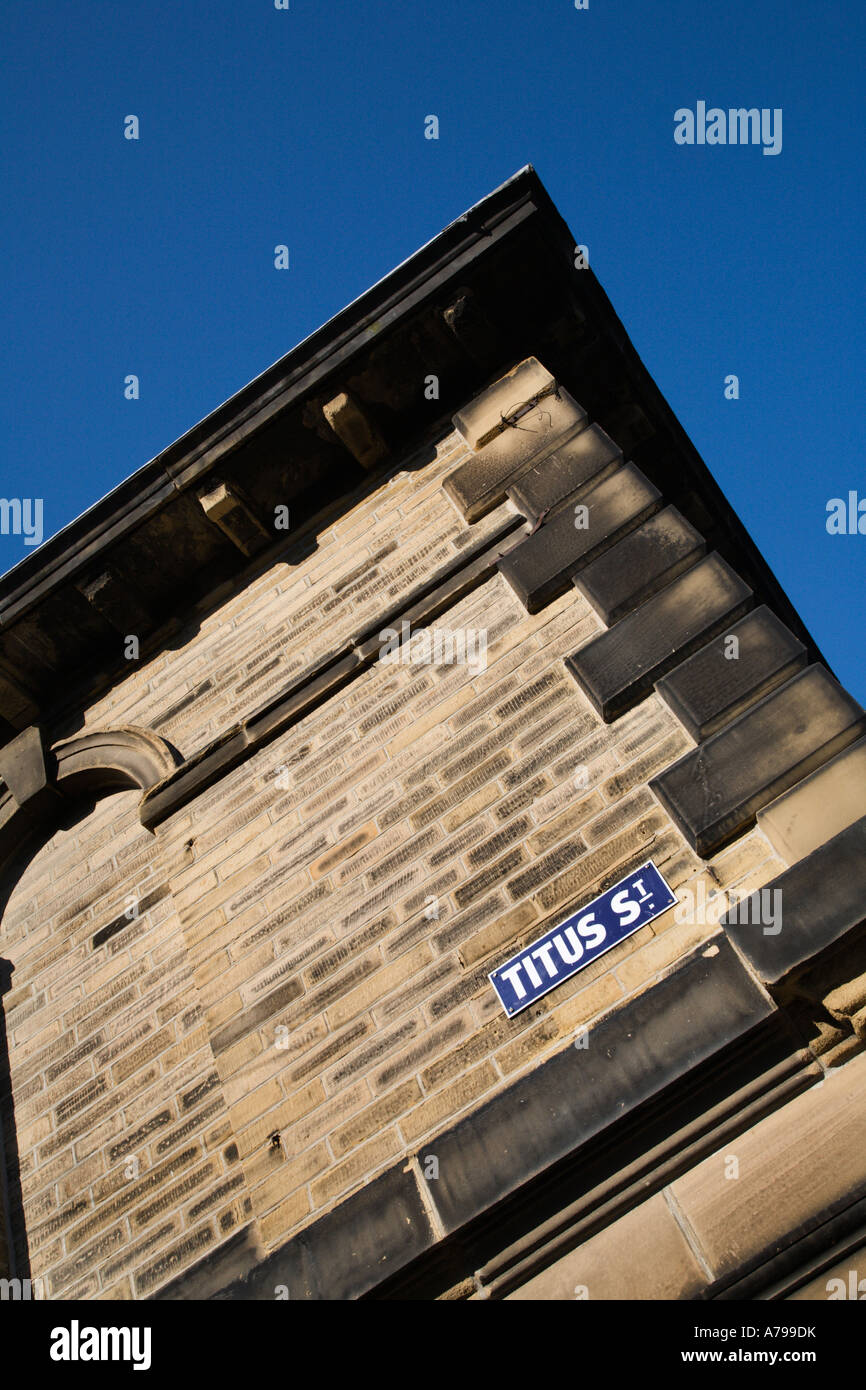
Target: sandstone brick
336, 1047
327, 1117
335, 856
504, 932
258, 1103
494, 874
237, 1057
589, 1000
175, 1258
639, 771
739, 860
375, 1117
278, 1223
585, 875
439, 714
659, 952
363, 1162
300, 1103
288, 1177
575, 816
421, 1053
417, 990
357, 1060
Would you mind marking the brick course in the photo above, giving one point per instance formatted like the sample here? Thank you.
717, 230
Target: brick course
309, 981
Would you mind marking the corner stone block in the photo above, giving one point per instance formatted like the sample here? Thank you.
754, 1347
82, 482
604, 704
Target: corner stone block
822, 898
713, 687
715, 792
480, 484
491, 411
566, 473
618, 669
640, 565
819, 807
540, 568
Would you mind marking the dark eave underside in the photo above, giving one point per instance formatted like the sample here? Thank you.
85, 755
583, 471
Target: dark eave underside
505, 272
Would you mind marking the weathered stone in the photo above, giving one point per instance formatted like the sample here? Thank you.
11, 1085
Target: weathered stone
639, 565
784, 1185
643, 1255
566, 473
24, 769
540, 567
355, 430
229, 509
501, 405
480, 483
822, 899
724, 678
715, 791
817, 808
617, 669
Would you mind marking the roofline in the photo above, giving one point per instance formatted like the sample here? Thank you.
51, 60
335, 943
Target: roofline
324, 351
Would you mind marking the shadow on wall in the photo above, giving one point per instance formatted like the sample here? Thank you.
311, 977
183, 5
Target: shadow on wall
11, 1195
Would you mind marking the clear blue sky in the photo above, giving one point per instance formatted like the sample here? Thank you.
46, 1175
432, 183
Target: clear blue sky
306, 127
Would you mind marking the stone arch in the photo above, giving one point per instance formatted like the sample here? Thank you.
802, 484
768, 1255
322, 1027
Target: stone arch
40, 787
111, 1102
36, 781
114, 759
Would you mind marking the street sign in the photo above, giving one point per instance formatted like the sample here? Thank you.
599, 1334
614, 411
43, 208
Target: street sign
581, 938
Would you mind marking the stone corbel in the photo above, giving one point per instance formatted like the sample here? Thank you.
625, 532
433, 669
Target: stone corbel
355, 431
229, 509
116, 601
28, 772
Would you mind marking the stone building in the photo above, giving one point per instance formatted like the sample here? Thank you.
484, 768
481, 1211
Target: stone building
260, 857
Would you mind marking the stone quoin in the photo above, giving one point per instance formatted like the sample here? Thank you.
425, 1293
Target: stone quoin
257, 879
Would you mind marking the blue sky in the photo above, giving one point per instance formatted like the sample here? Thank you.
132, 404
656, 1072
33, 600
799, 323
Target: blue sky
306, 127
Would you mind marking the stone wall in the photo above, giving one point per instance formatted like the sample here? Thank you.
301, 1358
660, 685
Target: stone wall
128, 1166
298, 1002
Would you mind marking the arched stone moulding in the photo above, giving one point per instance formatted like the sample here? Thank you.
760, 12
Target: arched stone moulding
113, 759
36, 781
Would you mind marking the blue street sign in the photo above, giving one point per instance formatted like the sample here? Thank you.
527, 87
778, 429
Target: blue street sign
582, 938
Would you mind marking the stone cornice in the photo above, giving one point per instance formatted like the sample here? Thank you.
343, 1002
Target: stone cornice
496, 285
